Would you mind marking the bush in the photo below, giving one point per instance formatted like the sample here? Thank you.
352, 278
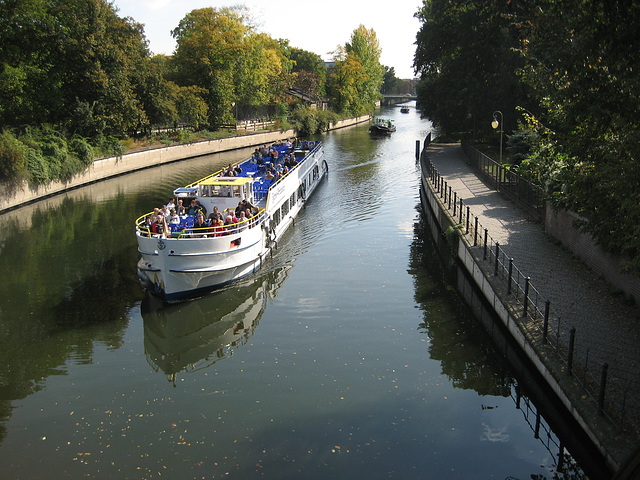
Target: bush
82, 149
305, 122
13, 157
38, 167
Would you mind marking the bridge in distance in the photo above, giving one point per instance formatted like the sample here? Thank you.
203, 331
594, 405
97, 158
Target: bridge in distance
395, 99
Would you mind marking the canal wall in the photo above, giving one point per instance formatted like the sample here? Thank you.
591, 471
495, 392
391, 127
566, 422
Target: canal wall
464, 240
13, 197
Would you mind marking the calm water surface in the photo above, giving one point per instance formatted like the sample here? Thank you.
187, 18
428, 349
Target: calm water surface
345, 357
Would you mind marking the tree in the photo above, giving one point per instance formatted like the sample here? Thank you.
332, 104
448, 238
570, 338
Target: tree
346, 83
211, 48
365, 47
310, 71
467, 63
62, 58
582, 63
389, 80
354, 82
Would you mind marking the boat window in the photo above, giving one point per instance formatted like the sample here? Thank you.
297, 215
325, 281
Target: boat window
276, 218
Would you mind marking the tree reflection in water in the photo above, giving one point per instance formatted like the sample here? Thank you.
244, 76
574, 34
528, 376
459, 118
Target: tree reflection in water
467, 352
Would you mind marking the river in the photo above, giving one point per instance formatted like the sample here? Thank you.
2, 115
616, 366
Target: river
346, 356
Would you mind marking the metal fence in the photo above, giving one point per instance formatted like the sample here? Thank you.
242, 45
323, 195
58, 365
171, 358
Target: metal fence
550, 336
528, 196
250, 125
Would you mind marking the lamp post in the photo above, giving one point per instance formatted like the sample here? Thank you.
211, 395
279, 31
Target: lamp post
495, 125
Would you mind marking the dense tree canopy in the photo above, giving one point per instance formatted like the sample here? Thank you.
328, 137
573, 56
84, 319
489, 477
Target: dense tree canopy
583, 61
356, 79
76, 79
71, 62
467, 64
564, 74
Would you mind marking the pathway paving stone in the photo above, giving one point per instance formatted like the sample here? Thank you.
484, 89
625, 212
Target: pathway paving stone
608, 327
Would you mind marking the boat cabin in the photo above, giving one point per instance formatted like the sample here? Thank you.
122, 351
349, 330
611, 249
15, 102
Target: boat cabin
222, 192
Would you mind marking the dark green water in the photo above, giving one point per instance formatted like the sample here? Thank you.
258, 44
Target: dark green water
343, 358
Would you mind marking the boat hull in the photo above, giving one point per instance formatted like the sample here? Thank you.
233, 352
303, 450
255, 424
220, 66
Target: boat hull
178, 268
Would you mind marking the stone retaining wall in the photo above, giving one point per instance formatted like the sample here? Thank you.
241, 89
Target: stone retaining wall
114, 166
560, 225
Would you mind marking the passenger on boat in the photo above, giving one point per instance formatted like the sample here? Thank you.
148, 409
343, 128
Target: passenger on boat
214, 214
198, 225
218, 227
241, 221
180, 209
158, 226
200, 208
171, 204
245, 204
148, 223
173, 218
154, 215
165, 211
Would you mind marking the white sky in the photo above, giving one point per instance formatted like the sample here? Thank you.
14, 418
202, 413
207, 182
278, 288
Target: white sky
311, 25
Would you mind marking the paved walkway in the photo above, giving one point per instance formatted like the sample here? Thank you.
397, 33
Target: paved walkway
604, 324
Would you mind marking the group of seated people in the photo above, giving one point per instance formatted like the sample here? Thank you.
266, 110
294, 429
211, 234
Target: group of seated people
193, 223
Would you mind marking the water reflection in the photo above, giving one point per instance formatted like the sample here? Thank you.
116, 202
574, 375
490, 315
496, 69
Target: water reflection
194, 335
467, 354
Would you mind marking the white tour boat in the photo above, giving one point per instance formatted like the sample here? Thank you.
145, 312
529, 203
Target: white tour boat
180, 258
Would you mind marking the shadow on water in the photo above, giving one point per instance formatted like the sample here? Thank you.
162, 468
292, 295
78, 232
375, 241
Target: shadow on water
476, 335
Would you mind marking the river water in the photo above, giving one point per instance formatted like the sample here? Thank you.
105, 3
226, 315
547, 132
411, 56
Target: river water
346, 356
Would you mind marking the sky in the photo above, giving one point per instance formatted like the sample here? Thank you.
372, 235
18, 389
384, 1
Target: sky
314, 26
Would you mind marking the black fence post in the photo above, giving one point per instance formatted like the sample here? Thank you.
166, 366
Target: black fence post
475, 233
495, 268
460, 211
572, 340
467, 229
449, 197
526, 296
510, 275
455, 201
445, 192
484, 255
545, 327
603, 386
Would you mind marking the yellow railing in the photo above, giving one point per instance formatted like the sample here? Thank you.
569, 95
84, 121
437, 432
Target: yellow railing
190, 232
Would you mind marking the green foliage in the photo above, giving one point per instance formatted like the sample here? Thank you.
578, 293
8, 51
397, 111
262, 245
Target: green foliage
326, 118
82, 149
38, 167
13, 157
389, 80
310, 72
305, 122
468, 65
354, 83
582, 63
308, 121
520, 145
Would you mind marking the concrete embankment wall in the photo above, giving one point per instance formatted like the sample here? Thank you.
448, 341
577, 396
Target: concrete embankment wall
114, 166
508, 314
560, 225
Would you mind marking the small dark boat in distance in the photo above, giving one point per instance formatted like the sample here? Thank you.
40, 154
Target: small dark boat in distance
404, 109
382, 126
